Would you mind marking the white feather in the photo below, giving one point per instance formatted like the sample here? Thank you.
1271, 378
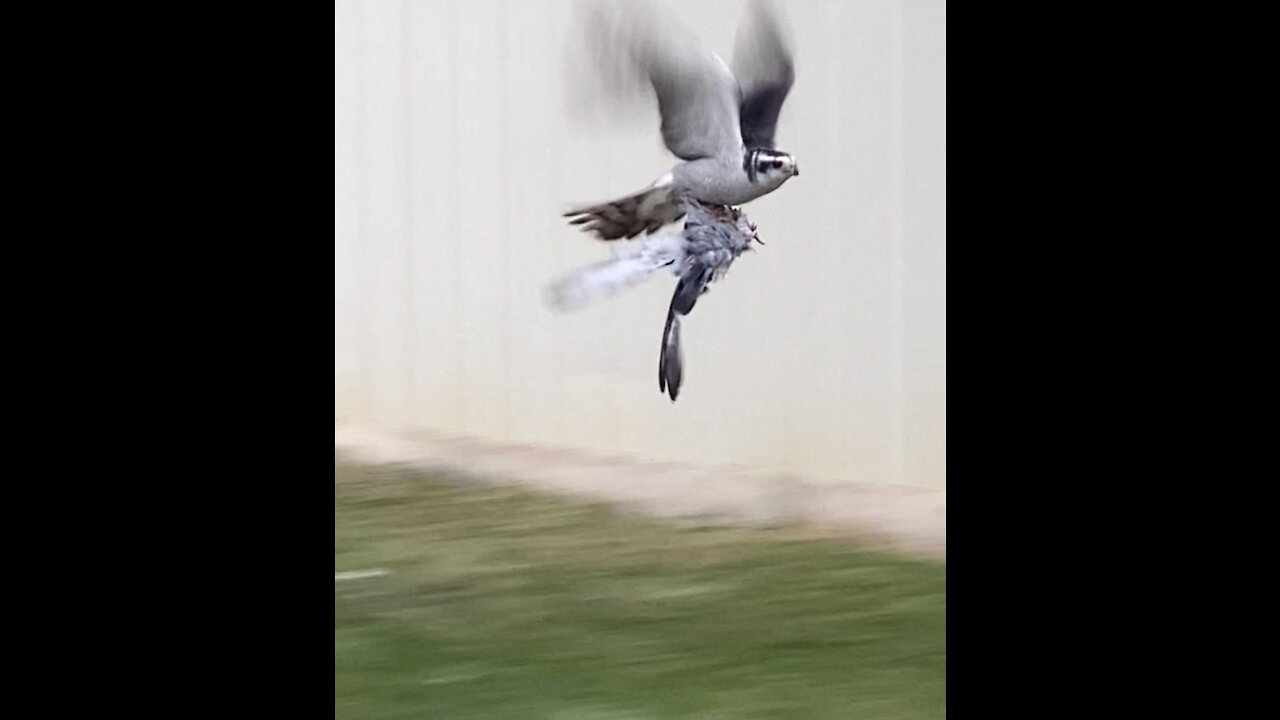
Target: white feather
631, 265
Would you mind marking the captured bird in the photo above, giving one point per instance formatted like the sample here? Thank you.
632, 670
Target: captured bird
698, 253
719, 122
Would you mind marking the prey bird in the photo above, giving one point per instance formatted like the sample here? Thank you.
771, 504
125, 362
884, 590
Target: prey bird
720, 122
698, 253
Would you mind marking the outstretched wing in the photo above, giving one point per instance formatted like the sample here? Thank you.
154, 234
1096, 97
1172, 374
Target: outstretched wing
631, 265
698, 96
764, 68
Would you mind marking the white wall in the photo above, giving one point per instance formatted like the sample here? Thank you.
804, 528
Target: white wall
455, 153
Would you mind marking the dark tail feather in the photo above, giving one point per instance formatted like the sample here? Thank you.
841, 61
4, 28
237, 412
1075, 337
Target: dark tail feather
671, 361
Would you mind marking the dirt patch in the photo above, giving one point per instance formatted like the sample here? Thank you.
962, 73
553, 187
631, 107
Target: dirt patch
908, 520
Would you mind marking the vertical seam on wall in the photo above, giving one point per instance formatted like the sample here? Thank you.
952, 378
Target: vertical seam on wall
411, 325
897, 234
456, 394
363, 412
504, 227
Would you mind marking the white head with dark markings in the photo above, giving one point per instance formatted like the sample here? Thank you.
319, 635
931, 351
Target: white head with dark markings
769, 167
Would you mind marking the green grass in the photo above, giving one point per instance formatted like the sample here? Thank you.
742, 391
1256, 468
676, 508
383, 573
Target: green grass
504, 604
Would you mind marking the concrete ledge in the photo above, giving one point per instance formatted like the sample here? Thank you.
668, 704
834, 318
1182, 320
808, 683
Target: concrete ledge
907, 520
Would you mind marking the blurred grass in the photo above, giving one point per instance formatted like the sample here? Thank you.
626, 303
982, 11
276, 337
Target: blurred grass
504, 604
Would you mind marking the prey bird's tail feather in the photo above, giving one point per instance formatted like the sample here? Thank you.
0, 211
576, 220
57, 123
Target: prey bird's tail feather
671, 362
693, 282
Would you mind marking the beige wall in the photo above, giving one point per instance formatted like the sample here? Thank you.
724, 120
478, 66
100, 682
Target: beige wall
456, 151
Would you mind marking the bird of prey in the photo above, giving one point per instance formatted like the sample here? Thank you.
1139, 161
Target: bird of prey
698, 253
719, 122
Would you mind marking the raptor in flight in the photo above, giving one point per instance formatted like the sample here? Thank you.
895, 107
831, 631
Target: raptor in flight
719, 122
